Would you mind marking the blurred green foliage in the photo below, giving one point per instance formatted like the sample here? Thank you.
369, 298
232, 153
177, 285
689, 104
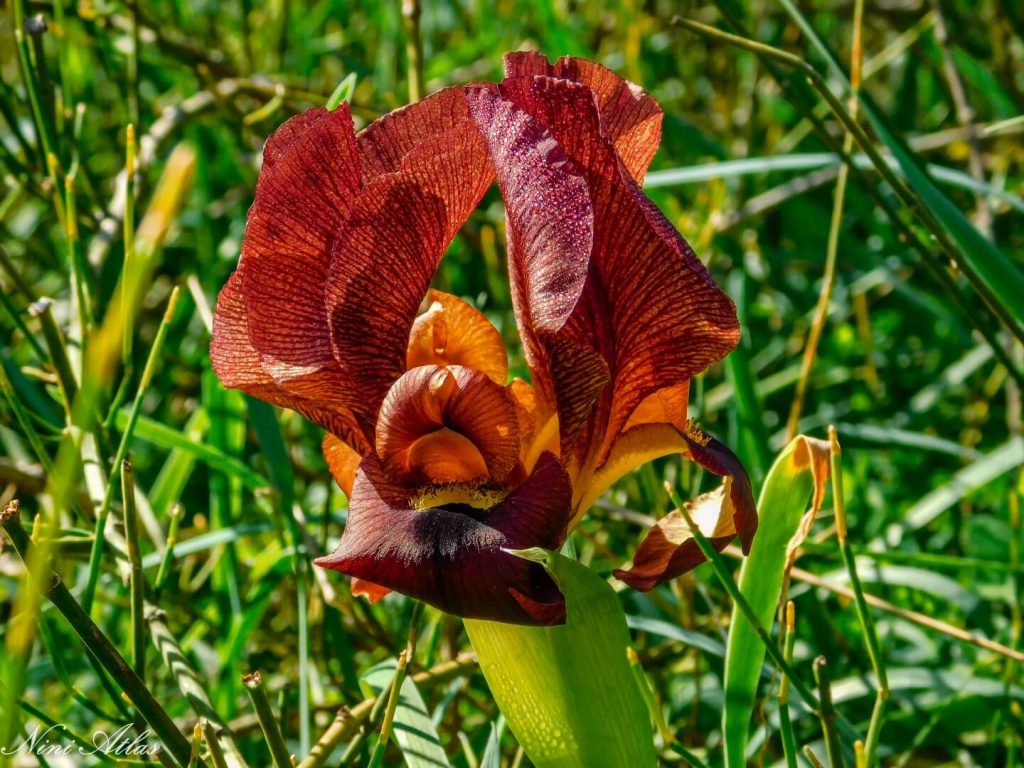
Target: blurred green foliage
929, 417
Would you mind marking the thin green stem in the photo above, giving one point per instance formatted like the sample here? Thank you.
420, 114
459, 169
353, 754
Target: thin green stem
99, 537
268, 720
172, 538
863, 614
213, 744
827, 714
57, 348
411, 12
137, 579
389, 713
785, 722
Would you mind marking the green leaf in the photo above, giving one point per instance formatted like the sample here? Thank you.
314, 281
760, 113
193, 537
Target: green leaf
568, 692
343, 92
413, 730
795, 474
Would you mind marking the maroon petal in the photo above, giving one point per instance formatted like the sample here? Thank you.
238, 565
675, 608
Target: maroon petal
389, 249
453, 556
666, 318
629, 117
237, 365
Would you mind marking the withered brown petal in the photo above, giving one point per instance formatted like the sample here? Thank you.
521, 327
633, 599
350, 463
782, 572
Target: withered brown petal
453, 332
454, 557
669, 549
387, 253
629, 116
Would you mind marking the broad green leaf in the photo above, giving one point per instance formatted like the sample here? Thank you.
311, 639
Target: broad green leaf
413, 730
801, 468
568, 692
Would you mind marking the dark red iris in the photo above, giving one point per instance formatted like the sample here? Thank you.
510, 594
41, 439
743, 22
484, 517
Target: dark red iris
446, 463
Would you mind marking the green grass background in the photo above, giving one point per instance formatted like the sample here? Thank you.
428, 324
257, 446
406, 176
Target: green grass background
929, 416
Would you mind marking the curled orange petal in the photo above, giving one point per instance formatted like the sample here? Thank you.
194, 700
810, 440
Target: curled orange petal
453, 332
452, 421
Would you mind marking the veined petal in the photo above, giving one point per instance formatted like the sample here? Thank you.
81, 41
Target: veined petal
385, 143
237, 365
453, 332
454, 557
387, 253
723, 514
550, 226
302, 199
666, 317
447, 425
629, 116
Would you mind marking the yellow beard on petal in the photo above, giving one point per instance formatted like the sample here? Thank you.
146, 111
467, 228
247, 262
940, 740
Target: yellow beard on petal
474, 495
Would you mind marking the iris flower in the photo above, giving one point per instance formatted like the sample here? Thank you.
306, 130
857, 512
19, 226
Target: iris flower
447, 464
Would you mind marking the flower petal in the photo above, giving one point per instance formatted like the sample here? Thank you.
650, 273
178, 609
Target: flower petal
666, 317
302, 199
374, 593
670, 550
723, 514
448, 425
270, 336
237, 365
453, 556
550, 222
630, 117
454, 332
389, 249
342, 461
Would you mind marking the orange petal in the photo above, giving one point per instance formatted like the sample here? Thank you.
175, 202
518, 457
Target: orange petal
453, 332
341, 460
538, 425
372, 592
466, 416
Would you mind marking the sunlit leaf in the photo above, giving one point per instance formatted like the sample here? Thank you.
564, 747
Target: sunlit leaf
568, 692
413, 730
798, 474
